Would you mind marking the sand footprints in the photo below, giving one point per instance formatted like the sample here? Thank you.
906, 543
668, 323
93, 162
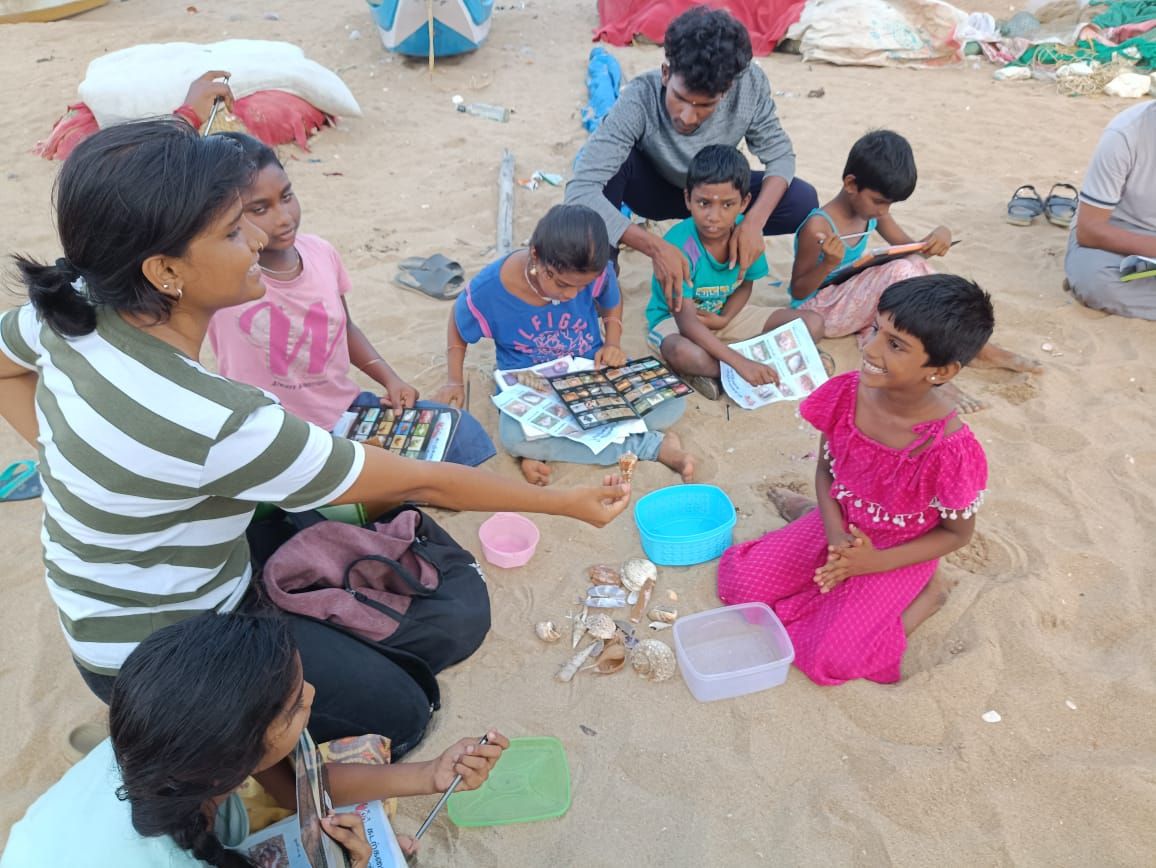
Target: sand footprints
991, 555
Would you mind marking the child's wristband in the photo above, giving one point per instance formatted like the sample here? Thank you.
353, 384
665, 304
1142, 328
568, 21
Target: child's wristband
188, 113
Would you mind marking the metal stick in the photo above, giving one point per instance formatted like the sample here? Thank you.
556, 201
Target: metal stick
445, 797
217, 103
467, 394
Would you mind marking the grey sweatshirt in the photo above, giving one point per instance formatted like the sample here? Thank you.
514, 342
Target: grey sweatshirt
639, 119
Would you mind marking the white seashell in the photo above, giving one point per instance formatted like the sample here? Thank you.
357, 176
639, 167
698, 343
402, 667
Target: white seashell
567, 672
1047, 347
1070, 704
547, 631
653, 660
666, 614
600, 626
636, 571
577, 629
659, 625
991, 717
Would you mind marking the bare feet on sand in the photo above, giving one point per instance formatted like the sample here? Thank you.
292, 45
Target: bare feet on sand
993, 356
790, 504
536, 472
676, 458
963, 402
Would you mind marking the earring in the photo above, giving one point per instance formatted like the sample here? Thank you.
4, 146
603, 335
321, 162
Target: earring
164, 286
180, 293
934, 378
534, 270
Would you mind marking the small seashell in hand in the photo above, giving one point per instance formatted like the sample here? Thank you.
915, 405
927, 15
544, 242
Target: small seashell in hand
626, 465
547, 631
636, 571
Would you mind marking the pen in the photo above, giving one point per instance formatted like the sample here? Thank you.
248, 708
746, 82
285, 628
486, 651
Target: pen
445, 797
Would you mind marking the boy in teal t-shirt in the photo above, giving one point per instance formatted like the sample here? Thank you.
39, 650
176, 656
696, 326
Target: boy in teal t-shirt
695, 339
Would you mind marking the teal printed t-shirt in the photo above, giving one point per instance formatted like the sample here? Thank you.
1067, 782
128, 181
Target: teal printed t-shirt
711, 282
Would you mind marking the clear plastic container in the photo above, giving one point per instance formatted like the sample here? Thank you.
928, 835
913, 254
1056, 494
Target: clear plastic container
733, 650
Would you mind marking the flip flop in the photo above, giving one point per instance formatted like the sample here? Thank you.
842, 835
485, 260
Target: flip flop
1023, 209
431, 263
20, 481
1060, 209
441, 284
708, 387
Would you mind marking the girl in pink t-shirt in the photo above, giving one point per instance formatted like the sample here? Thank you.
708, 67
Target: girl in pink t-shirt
298, 342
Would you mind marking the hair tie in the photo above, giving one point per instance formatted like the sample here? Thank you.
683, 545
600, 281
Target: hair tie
78, 283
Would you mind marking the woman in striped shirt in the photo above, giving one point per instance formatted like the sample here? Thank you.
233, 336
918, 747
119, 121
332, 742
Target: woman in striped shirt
152, 466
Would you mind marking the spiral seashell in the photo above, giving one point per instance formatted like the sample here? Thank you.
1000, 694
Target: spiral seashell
547, 631
654, 660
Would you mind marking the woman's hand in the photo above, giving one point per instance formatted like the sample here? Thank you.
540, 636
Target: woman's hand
469, 759
400, 395
206, 90
599, 504
453, 394
348, 831
609, 356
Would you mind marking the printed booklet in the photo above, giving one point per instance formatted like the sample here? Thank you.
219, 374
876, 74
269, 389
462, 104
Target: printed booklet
299, 842
791, 352
618, 394
412, 433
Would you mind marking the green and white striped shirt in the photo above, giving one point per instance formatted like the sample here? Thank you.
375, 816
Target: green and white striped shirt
152, 467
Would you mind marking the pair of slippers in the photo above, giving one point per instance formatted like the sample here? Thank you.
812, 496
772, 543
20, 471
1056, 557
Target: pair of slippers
434, 276
1059, 208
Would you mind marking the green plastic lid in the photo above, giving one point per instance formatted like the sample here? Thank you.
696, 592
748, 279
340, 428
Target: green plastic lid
530, 782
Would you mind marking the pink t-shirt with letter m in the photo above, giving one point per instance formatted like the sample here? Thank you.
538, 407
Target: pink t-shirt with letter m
293, 341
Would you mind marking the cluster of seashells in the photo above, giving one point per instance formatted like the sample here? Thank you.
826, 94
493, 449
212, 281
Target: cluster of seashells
613, 642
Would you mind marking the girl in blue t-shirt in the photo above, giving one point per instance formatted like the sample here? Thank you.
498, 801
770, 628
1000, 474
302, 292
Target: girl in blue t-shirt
542, 303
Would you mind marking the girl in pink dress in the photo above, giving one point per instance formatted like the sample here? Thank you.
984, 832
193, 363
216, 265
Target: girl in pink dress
898, 482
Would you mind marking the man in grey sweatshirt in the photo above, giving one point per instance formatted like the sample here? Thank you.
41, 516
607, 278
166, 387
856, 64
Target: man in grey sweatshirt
707, 93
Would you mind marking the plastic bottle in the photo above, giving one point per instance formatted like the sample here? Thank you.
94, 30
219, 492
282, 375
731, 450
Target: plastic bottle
498, 113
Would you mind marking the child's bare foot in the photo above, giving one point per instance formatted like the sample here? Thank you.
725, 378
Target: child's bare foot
676, 458
536, 472
993, 356
790, 504
963, 402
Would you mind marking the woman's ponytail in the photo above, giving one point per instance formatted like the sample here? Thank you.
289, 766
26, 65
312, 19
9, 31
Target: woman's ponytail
60, 295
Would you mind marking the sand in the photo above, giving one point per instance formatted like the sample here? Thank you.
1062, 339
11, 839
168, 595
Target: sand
1051, 619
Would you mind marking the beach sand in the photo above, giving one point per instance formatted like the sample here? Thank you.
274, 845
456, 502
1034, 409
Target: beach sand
1050, 622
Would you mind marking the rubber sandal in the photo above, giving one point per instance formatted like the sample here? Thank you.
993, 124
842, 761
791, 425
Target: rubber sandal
20, 481
1060, 209
441, 284
431, 263
1022, 210
708, 387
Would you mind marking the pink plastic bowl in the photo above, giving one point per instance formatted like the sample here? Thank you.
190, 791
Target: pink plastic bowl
508, 539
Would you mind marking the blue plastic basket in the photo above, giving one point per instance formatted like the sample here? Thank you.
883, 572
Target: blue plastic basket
685, 524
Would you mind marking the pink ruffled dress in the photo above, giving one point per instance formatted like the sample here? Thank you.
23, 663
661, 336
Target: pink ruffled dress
894, 496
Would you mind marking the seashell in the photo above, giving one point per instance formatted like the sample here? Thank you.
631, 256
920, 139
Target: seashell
659, 625
547, 631
653, 659
577, 629
642, 602
666, 614
600, 626
612, 592
626, 464
672, 596
567, 672
612, 658
604, 603
636, 571
605, 574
